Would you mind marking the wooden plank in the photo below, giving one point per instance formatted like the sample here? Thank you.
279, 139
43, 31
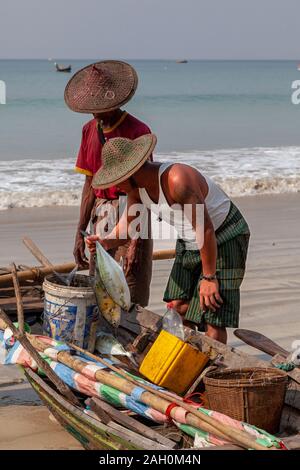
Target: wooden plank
33, 290
140, 441
292, 396
290, 420
230, 356
99, 406
30, 304
99, 409
139, 319
141, 341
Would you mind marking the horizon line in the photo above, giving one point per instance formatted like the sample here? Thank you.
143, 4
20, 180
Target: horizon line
50, 59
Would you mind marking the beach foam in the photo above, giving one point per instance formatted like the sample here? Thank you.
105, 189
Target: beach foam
240, 172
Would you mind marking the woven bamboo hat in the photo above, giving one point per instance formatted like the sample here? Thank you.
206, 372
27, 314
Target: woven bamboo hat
121, 158
101, 87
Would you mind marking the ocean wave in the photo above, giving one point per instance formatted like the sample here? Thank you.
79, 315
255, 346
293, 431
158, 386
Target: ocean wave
240, 172
239, 187
13, 199
235, 187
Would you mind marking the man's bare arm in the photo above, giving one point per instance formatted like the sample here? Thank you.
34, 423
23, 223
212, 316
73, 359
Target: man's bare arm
87, 204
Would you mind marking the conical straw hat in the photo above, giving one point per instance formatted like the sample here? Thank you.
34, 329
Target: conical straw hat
121, 158
101, 87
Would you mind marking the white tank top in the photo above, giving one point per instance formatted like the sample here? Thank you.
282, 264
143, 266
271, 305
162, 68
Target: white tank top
216, 202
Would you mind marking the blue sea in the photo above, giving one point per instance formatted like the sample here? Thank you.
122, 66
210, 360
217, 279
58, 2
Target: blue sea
232, 119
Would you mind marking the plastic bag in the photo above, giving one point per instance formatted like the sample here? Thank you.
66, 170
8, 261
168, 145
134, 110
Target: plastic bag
172, 322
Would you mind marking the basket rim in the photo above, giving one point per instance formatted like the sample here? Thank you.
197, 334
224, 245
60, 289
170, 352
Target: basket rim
219, 378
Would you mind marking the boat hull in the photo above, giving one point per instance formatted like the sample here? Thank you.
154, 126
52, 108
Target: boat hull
91, 434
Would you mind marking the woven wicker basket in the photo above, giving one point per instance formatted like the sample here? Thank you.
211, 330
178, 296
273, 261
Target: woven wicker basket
253, 395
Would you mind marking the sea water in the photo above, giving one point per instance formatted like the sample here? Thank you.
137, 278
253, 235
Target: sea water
234, 120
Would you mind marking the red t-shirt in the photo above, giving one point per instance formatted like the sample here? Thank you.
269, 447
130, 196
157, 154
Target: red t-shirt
89, 156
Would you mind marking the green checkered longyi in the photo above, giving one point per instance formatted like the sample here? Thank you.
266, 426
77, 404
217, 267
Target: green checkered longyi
232, 239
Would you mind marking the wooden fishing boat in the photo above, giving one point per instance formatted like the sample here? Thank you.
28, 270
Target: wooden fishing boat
106, 427
63, 68
102, 426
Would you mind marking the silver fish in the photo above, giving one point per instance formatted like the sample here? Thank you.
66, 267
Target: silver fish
107, 344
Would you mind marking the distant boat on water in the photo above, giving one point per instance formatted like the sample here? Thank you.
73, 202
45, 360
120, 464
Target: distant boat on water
63, 68
181, 61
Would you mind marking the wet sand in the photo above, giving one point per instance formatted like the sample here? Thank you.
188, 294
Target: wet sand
269, 303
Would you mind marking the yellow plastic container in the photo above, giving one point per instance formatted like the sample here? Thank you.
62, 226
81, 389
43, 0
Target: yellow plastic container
172, 363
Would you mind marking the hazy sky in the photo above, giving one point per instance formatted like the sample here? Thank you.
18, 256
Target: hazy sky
128, 29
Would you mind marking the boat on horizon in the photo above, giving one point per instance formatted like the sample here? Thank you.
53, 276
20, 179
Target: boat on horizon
63, 68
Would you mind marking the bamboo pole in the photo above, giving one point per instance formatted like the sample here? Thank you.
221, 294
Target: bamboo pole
23, 339
18, 294
37, 273
163, 254
39, 255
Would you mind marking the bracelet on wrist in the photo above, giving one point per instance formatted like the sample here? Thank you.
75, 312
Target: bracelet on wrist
209, 278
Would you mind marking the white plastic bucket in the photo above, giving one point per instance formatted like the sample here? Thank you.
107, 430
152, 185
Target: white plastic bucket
69, 311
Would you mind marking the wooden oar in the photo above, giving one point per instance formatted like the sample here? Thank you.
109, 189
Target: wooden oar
260, 342
37, 253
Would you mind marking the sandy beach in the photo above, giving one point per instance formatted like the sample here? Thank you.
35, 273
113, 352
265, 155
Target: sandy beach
270, 295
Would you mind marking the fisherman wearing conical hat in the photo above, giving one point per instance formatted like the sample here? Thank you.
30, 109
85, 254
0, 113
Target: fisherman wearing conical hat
102, 89
211, 251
